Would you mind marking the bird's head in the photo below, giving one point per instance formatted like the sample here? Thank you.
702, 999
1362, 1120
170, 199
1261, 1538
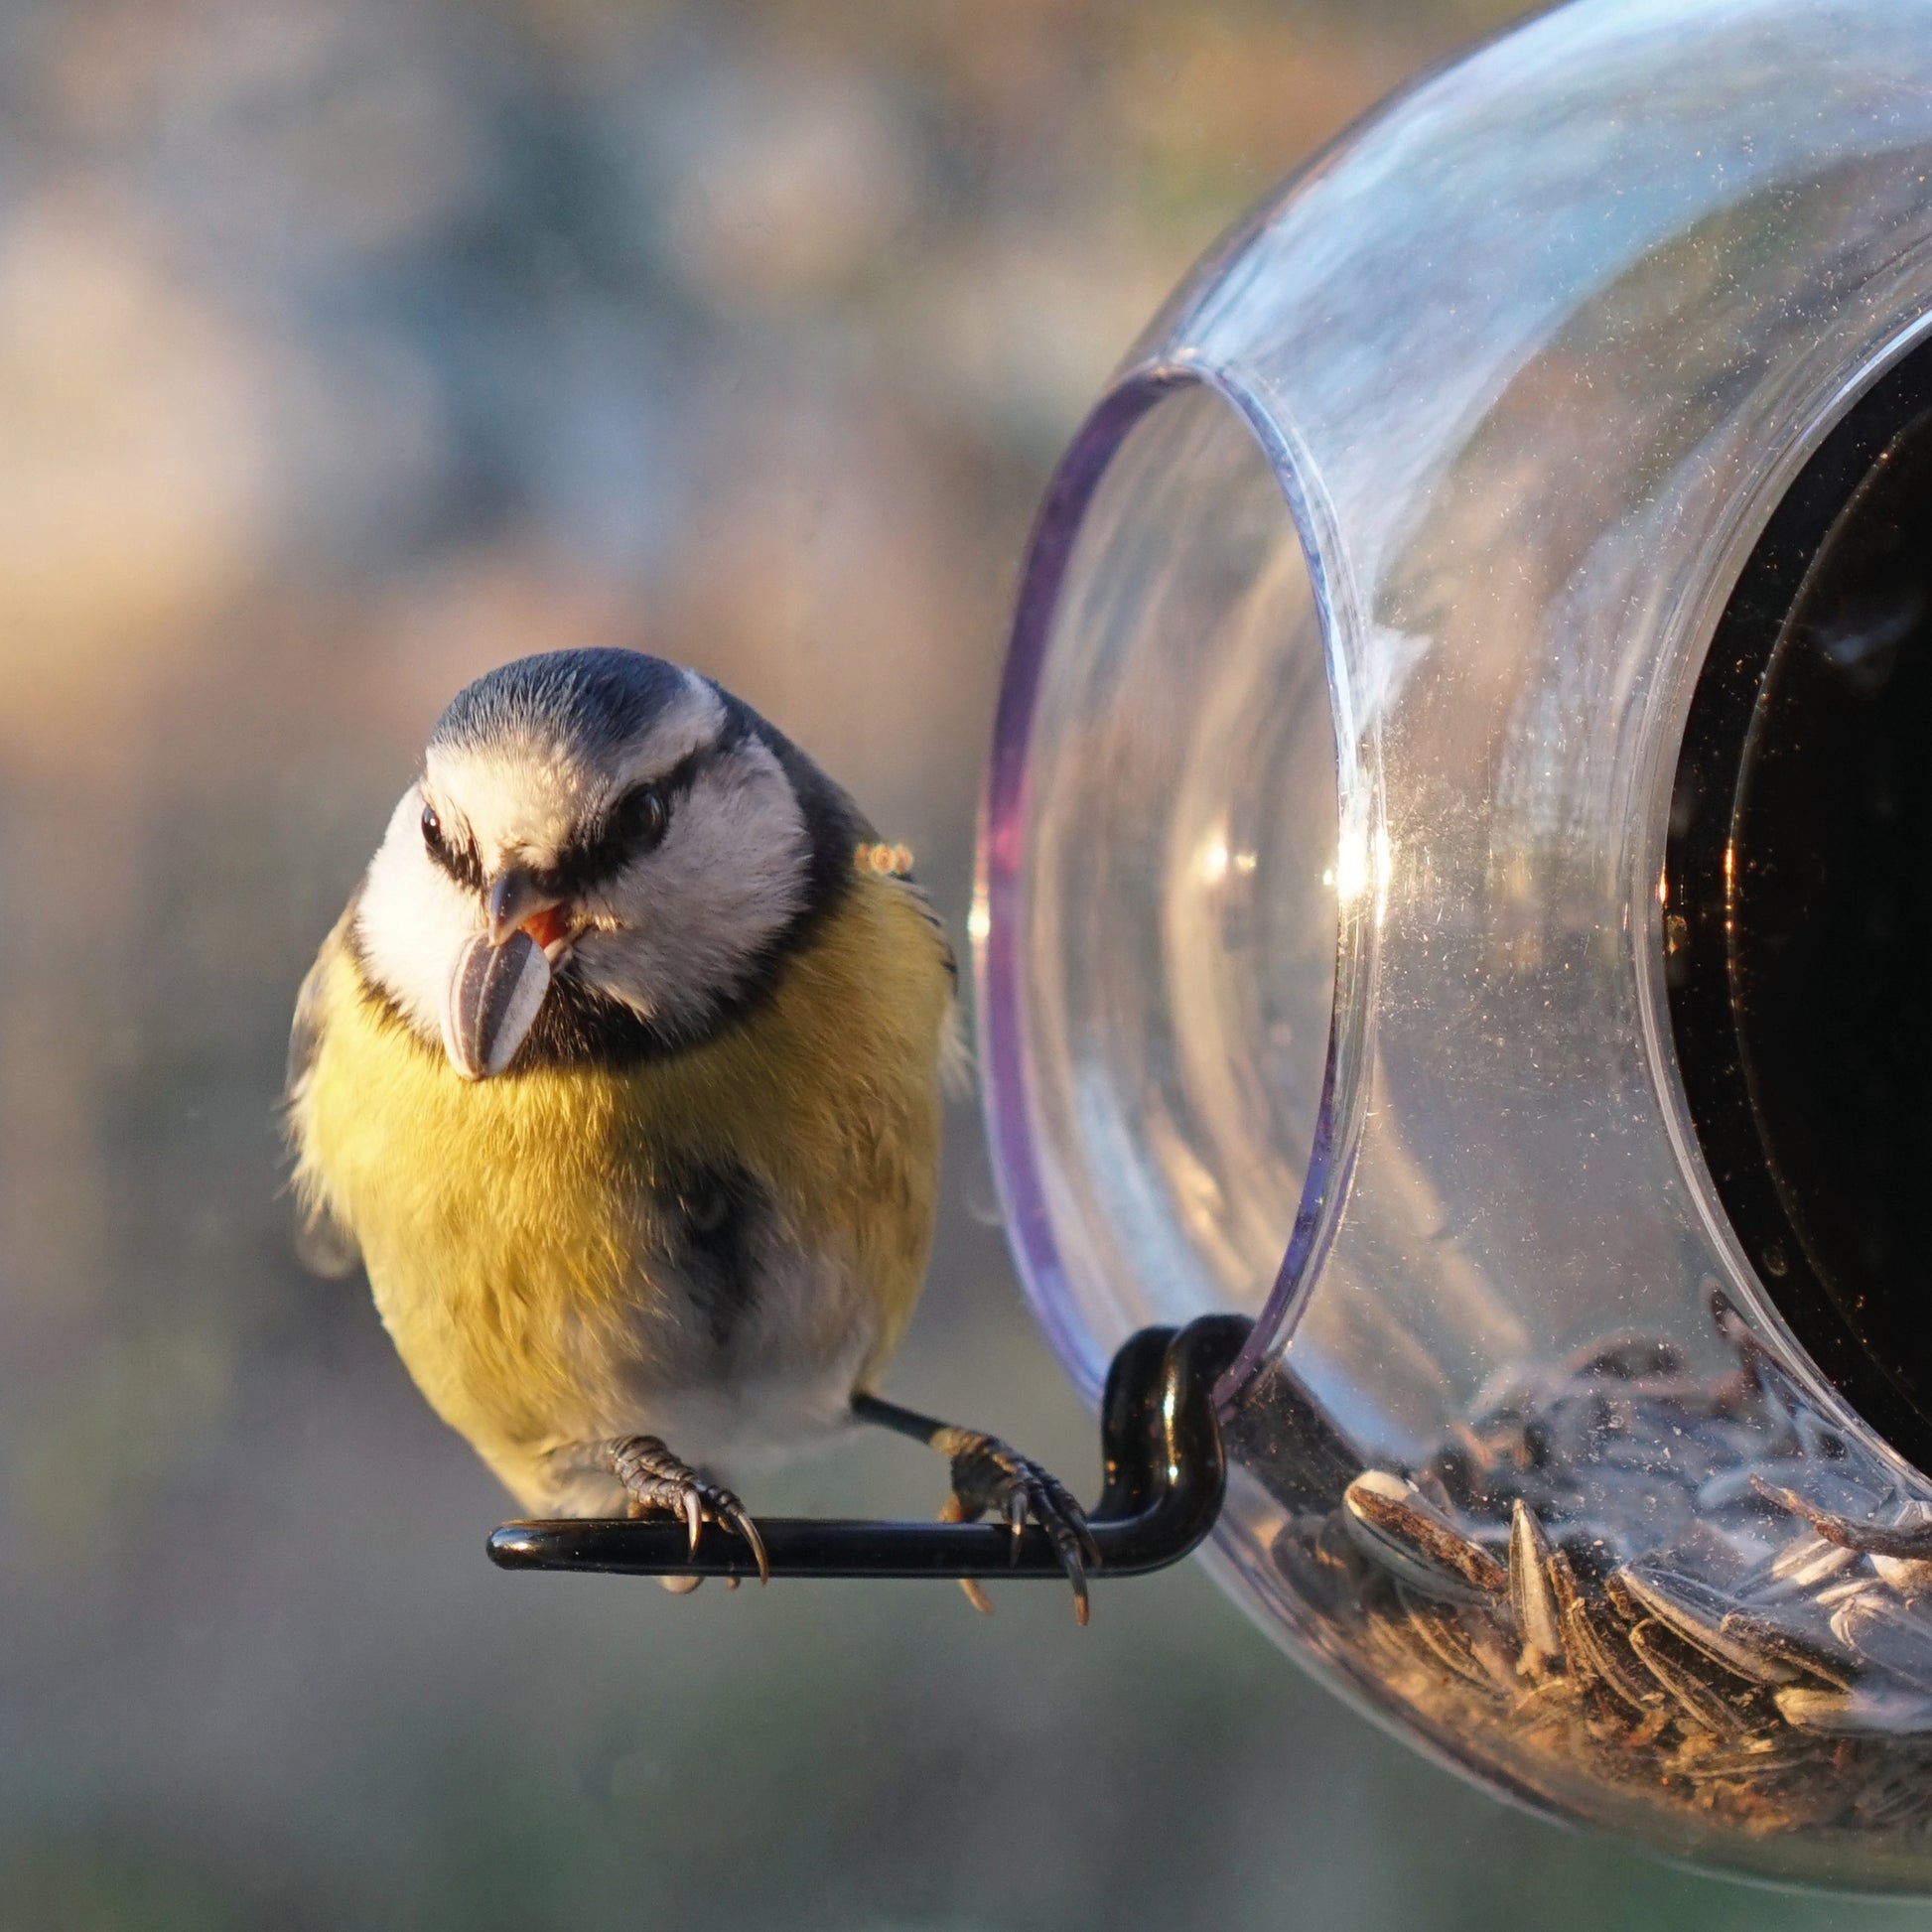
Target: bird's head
604, 851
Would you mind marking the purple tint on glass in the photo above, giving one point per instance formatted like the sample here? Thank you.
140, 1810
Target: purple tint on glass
998, 952
1002, 836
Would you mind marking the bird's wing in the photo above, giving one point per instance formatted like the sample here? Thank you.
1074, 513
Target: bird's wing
322, 1243
955, 1053
930, 913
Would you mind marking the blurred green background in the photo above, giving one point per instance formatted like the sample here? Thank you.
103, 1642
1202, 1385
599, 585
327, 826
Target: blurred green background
346, 351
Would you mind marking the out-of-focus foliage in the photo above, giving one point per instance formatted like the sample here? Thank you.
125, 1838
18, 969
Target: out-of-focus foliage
347, 349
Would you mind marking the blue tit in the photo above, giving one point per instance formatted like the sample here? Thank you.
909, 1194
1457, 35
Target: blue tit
621, 1074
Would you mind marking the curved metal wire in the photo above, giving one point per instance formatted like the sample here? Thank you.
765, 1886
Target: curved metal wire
1166, 1477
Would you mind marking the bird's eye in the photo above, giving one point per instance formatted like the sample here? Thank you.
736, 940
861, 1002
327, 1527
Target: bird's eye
647, 816
432, 829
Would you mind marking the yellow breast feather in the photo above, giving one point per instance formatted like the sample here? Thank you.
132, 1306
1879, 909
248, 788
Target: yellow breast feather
507, 1223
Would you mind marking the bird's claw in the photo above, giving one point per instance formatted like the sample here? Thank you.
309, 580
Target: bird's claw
656, 1483
990, 1478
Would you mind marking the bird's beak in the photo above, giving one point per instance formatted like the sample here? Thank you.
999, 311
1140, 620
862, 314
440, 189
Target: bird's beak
515, 899
502, 977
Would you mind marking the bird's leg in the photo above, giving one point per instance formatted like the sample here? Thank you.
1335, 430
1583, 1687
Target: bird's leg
990, 1477
656, 1483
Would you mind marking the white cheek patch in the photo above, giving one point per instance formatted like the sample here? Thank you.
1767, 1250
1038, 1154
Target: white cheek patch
696, 914
414, 920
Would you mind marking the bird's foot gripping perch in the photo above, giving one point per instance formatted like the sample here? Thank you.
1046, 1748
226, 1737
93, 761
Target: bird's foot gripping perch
988, 1478
1166, 1477
656, 1483
991, 1478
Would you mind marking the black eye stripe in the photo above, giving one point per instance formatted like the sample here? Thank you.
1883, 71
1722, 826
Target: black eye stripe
629, 829
635, 825
461, 862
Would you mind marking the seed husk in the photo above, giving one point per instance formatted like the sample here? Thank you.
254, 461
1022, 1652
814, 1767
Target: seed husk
1709, 1620
1879, 1628
1908, 1576
1867, 1711
1670, 1663
1910, 1540
491, 1003
1804, 1564
1599, 1654
1532, 1597
1416, 1543
1804, 1656
1447, 1639
1650, 1626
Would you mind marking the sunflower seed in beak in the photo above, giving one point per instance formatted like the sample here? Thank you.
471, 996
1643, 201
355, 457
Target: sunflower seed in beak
492, 1002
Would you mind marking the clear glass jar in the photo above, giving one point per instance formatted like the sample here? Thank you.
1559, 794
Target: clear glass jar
1329, 965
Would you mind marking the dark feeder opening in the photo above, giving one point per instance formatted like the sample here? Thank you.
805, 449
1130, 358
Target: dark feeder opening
1798, 907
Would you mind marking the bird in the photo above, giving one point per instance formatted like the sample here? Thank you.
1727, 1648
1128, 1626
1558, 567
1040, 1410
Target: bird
620, 1076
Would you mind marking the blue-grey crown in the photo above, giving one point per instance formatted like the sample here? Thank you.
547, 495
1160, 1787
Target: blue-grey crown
590, 702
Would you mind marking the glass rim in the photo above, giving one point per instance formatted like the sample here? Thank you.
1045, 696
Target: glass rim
1001, 855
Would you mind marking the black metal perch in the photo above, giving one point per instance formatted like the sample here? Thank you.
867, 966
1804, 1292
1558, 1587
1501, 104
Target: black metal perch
1165, 1479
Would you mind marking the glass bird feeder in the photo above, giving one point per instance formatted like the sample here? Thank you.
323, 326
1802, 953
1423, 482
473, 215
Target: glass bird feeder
1456, 885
